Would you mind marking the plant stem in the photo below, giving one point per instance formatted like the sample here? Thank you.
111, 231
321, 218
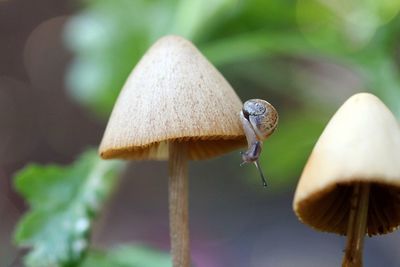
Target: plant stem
178, 204
356, 229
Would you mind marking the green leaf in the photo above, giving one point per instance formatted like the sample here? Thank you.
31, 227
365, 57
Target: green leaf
63, 202
127, 256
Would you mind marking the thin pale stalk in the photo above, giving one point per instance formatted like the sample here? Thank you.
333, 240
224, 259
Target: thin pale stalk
178, 204
356, 229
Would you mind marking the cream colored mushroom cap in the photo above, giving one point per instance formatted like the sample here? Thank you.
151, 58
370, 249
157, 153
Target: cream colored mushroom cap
173, 94
361, 143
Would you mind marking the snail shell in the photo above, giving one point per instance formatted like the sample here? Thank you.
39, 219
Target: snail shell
262, 116
259, 119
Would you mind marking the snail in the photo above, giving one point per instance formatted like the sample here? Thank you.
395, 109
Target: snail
259, 119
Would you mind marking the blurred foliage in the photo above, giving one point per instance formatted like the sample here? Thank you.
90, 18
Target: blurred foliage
353, 23
290, 161
127, 256
63, 203
109, 37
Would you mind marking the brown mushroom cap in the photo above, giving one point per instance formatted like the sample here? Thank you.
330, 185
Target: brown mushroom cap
361, 143
173, 94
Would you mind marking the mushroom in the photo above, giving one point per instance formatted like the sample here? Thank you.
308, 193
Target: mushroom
174, 106
351, 182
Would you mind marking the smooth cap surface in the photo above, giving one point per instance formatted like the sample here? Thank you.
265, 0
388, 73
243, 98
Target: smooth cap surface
173, 94
361, 143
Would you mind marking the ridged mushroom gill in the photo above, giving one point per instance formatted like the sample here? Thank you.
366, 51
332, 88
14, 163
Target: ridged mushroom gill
329, 211
198, 149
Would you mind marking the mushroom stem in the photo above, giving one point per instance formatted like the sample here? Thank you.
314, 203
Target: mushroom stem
178, 204
356, 229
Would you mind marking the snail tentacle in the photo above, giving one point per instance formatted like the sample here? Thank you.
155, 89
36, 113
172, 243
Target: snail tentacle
263, 179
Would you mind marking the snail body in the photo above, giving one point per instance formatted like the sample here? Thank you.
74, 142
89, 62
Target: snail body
259, 119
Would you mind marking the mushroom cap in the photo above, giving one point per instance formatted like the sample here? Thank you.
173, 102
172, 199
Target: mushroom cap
173, 94
360, 144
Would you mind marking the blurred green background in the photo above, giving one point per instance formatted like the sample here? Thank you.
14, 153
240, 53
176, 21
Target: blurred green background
62, 65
